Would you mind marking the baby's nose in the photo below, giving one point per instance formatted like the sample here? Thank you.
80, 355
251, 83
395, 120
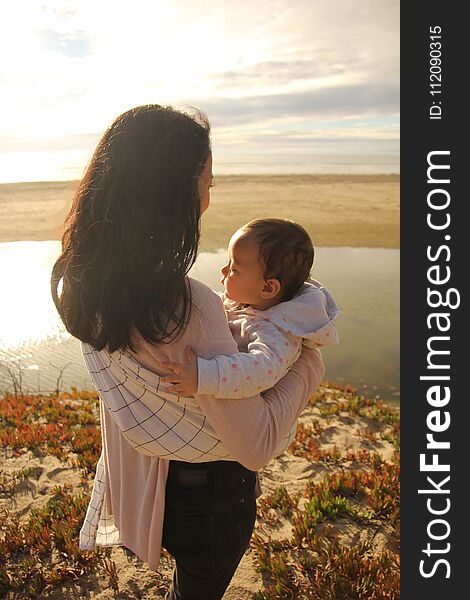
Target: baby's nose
223, 272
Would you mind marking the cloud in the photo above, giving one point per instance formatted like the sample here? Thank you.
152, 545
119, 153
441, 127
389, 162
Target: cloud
274, 72
74, 44
280, 72
340, 101
83, 141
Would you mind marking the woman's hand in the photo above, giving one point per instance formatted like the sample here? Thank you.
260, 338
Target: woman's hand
184, 377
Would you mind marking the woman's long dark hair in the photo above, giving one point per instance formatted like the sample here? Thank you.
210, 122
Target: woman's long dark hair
132, 233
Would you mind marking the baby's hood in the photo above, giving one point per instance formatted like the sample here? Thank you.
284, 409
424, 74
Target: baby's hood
310, 314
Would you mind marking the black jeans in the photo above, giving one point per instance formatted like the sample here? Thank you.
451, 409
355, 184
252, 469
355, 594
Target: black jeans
210, 512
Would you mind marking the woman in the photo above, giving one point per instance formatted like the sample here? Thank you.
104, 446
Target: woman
177, 473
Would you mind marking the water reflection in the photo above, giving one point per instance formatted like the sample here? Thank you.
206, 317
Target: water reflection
364, 281
27, 313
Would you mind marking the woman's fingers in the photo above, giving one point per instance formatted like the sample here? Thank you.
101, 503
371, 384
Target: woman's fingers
172, 366
176, 389
190, 355
169, 378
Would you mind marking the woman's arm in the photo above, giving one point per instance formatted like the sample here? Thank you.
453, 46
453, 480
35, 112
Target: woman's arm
253, 429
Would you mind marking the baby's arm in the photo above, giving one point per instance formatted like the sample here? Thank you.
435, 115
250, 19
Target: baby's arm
270, 354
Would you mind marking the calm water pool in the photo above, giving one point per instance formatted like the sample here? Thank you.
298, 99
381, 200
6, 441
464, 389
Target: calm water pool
364, 281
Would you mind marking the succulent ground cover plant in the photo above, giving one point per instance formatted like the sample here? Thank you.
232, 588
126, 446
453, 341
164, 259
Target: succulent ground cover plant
328, 520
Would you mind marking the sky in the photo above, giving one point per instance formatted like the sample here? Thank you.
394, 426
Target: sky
280, 80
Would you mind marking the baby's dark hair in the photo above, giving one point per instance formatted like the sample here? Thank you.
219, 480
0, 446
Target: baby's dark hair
286, 252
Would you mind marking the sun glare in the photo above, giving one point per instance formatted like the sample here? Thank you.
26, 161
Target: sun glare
72, 67
23, 322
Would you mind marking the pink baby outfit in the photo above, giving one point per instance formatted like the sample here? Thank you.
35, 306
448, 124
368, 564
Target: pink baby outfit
128, 499
269, 342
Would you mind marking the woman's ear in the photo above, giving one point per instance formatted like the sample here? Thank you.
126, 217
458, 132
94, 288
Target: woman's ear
271, 289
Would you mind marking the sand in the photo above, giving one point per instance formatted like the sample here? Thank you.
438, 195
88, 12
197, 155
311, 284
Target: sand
337, 210
343, 430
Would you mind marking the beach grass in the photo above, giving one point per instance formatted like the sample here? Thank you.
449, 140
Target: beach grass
328, 520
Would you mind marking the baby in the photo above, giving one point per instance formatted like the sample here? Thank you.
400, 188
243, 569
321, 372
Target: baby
272, 309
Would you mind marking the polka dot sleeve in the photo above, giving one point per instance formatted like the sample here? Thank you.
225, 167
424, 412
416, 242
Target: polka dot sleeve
271, 352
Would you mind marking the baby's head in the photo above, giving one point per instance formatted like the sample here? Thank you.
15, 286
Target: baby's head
268, 262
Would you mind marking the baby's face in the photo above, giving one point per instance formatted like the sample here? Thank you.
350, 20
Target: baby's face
243, 276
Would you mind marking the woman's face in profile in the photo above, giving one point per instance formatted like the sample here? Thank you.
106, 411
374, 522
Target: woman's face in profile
205, 183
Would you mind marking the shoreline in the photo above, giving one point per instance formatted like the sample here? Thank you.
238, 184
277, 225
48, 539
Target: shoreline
354, 210
60, 182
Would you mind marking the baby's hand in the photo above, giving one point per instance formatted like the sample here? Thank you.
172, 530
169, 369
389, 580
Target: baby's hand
184, 377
